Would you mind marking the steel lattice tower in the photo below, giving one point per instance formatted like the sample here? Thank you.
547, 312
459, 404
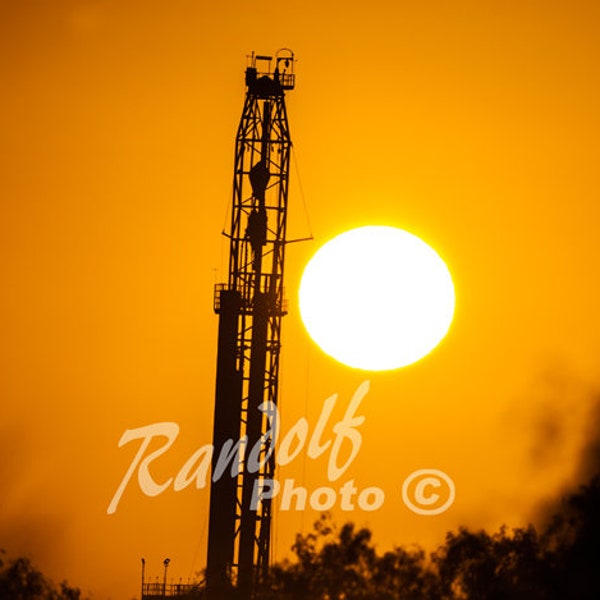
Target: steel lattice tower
250, 308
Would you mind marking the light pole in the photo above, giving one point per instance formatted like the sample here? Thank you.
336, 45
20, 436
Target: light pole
166, 563
143, 575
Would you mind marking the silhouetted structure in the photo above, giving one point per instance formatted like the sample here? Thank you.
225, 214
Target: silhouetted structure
182, 591
157, 589
250, 307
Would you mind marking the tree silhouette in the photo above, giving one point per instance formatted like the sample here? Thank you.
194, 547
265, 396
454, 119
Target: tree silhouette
404, 574
559, 563
20, 580
340, 564
477, 566
572, 540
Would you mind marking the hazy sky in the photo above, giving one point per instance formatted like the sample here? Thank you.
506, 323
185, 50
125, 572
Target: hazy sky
473, 124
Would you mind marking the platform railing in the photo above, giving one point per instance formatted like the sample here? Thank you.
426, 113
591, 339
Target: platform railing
182, 591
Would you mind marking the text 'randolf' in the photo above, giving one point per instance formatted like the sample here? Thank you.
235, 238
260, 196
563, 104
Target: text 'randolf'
233, 453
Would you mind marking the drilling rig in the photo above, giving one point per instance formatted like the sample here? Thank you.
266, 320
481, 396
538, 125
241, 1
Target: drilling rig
250, 307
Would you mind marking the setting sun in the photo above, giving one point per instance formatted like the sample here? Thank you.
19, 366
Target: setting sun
376, 298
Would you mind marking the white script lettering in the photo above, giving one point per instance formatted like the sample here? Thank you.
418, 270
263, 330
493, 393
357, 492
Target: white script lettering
197, 468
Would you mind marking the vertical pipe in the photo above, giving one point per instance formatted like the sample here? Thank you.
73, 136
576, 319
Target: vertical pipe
223, 491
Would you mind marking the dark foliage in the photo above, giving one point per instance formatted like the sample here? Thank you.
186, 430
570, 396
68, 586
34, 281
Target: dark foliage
20, 580
343, 563
519, 564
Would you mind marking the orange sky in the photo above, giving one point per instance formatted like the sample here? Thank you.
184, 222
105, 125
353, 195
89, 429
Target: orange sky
472, 124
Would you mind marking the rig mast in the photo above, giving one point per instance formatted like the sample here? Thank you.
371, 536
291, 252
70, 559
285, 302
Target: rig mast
250, 307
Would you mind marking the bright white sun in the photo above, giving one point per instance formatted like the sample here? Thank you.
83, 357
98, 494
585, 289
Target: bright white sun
376, 298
